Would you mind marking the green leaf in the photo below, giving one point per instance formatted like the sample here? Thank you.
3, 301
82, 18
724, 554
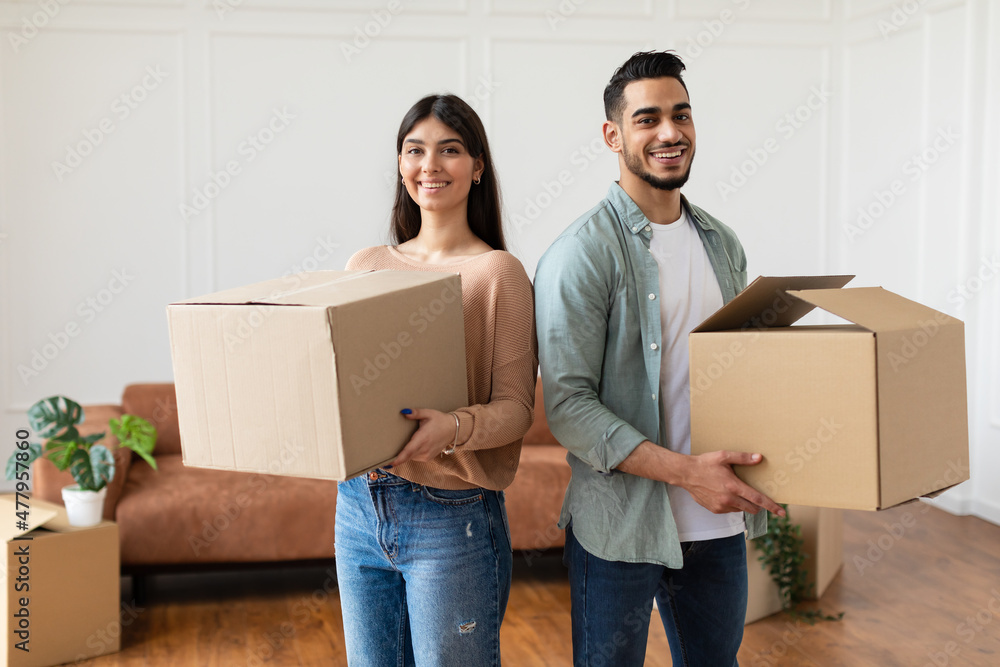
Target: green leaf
92, 472
64, 457
136, 434
51, 415
34, 451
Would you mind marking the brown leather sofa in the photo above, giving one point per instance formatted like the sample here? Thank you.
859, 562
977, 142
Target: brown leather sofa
181, 517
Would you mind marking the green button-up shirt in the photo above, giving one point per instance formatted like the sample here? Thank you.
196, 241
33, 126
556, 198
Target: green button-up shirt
597, 309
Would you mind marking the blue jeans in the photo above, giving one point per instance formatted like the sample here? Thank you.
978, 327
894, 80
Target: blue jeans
424, 573
702, 606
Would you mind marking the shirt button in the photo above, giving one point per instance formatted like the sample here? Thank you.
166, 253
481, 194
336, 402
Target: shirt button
634, 228
652, 346
654, 397
652, 297
646, 228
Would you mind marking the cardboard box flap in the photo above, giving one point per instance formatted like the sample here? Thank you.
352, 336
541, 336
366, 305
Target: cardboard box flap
766, 303
873, 308
317, 288
38, 514
278, 290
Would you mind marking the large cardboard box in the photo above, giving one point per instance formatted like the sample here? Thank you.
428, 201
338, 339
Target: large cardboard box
305, 375
61, 587
822, 541
864, 415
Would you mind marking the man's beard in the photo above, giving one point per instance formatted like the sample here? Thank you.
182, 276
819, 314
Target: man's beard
635, 165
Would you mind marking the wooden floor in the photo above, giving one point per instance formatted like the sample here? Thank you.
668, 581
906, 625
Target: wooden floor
923, 594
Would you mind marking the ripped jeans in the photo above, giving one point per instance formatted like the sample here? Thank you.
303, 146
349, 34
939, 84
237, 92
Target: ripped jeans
424, 573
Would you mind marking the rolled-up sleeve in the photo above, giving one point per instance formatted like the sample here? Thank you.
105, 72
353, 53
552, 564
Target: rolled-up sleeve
573, 295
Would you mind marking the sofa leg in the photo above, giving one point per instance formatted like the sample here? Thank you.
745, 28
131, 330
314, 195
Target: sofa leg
139, 589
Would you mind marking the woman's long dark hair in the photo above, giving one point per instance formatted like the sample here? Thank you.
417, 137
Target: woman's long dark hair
484, 199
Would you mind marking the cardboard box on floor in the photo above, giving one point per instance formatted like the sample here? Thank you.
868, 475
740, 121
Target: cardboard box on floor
822, 538
857, 416
305, 375
61, 587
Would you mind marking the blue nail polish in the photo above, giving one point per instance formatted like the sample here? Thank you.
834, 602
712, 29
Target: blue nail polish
388, 467
406, 411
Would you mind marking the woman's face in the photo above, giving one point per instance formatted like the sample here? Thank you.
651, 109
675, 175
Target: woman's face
437, 168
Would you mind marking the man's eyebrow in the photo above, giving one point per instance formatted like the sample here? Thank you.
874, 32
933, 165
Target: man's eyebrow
680, 106
642, 111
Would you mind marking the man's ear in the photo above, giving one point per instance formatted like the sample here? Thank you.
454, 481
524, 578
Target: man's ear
612, 136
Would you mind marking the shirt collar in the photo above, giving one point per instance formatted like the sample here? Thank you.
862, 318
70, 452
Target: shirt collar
632, 217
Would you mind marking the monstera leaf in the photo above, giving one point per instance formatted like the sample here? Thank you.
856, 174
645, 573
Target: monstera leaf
49, 416
92, 471
137, 434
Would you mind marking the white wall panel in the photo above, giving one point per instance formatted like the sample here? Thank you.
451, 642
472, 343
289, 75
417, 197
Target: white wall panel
546, 137
106, 106
768, 10
757, 133
325, 175
884, 129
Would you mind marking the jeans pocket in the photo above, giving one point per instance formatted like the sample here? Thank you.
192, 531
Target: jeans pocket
452, 498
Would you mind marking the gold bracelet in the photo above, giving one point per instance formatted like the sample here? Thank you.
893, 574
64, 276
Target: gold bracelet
454, 444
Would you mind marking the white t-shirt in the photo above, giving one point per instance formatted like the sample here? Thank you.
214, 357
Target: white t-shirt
689, 293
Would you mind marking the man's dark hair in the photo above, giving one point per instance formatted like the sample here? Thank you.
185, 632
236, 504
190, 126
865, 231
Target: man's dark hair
642, 65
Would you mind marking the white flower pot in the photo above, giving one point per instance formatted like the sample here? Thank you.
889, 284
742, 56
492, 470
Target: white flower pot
84, 508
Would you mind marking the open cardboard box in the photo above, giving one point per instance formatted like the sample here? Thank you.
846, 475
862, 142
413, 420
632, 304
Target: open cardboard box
864, 415
61, 587
305, 375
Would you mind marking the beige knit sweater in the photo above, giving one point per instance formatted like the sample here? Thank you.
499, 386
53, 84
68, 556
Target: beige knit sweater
501, 358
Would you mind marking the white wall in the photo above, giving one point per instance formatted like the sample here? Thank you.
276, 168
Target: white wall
298, 73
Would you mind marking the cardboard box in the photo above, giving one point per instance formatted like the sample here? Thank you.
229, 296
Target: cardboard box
60, 581
305, 375
823, 542
857, 416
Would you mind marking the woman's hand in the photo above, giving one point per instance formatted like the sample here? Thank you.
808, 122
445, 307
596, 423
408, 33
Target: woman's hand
434, 435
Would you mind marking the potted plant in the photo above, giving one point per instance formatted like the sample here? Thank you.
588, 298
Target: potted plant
91, 464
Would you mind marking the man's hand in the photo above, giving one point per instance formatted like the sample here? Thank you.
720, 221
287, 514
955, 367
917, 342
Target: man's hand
435, 434
709, 478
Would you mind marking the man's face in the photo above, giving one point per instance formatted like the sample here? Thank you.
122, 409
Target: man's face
657, 132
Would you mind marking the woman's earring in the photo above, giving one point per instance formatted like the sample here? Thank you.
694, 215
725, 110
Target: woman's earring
476, 180
402, 180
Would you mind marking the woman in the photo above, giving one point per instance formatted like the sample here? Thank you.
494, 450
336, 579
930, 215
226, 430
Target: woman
423, 551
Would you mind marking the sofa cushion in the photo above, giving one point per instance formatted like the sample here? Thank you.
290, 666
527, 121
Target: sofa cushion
192, 515
539, 433
157, 404
535, 498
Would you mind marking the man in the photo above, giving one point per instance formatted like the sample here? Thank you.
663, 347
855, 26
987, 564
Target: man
616, 296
